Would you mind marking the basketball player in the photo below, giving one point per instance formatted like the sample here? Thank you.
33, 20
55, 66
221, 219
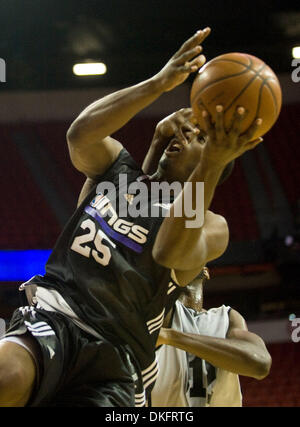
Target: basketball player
201, 354
86, 336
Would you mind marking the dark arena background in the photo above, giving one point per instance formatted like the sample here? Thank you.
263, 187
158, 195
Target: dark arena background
41, 40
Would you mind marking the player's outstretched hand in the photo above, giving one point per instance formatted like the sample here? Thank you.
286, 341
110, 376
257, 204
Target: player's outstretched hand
188, 59
222, 145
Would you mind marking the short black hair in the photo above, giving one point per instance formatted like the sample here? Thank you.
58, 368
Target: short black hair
226, 172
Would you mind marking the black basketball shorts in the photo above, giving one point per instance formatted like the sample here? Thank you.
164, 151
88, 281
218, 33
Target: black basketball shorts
75, 368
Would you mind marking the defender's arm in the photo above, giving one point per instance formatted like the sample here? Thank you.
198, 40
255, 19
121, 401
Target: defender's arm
241, 352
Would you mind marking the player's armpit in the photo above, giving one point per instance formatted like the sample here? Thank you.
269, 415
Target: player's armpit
85, 190
93, 159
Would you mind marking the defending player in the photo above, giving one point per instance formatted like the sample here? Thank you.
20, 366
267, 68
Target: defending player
202, 353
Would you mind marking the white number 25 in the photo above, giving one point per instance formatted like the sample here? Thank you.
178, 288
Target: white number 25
102, 253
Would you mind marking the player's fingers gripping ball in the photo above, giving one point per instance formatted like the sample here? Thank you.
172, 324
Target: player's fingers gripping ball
233, 80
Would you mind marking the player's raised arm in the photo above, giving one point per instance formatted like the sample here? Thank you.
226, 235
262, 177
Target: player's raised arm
91, 149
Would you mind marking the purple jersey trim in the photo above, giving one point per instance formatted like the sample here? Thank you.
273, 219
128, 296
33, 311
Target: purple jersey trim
112, 233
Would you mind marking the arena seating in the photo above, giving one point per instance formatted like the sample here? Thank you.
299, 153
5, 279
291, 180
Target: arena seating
53, 138
282, 143
27, 221
281, 388
232, 199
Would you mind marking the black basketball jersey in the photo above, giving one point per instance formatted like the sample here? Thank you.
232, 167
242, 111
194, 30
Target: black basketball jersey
102, 266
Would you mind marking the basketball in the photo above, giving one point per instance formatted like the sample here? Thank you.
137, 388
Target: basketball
233, 80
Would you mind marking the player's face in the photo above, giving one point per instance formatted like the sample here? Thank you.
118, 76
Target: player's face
181, 157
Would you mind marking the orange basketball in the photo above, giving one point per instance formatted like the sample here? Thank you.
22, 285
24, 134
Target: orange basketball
233, 80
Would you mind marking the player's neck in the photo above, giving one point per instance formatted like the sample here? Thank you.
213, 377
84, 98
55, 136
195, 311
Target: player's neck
195, 302
162, 176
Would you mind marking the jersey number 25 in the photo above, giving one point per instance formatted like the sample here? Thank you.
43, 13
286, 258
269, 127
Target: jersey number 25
83, 244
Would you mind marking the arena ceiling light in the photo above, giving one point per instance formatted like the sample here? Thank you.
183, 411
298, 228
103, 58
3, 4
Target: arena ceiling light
296, 52
89, 69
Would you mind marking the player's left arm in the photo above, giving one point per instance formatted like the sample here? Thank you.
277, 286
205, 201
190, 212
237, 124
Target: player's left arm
241, 352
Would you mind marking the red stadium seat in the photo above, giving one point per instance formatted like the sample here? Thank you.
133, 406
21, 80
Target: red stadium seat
282, 386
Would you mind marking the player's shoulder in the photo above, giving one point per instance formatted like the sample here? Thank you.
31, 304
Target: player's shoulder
237, 320
122, 164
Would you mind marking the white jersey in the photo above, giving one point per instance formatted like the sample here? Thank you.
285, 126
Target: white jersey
185, 380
